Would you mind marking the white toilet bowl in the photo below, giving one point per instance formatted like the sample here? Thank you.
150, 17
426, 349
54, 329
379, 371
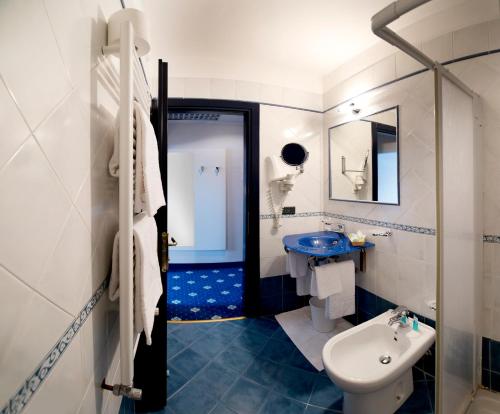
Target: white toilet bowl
372, 363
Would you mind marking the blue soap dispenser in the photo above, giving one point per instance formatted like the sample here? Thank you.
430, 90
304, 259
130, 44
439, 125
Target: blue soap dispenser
415, 323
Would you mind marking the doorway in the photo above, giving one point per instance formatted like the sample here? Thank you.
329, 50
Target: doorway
206, 215
212, 209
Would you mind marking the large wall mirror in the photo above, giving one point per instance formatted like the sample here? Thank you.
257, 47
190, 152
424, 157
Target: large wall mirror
364, 159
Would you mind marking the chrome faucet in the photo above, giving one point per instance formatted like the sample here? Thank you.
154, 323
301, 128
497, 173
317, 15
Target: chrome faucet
398, 313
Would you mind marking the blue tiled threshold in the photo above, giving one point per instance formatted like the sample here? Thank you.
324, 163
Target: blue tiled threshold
250, 366
204, 292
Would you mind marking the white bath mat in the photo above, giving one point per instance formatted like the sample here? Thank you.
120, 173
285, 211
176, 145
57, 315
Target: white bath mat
298, 326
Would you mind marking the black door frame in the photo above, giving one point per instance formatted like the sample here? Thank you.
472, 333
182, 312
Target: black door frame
150, 362
251, 115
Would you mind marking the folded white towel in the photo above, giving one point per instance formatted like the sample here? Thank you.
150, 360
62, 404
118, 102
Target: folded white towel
147, 275
299, 270
297, 264
326, 280
148, 189
342, 303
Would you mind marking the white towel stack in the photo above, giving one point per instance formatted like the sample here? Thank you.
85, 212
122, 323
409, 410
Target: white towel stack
148, 198
335, 283
299, 270
147, 275
148, 189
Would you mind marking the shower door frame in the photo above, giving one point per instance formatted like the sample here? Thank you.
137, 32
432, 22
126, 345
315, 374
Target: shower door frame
251, 115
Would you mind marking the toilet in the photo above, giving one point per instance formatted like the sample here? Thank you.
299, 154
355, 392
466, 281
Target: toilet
372, 363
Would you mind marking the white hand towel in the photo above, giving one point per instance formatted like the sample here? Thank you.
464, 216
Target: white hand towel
148, 189
297, 264
342, 303
326, 280
299, 270
149, 186
147, 275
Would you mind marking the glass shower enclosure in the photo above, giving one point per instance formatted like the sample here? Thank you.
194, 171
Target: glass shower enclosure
459, 245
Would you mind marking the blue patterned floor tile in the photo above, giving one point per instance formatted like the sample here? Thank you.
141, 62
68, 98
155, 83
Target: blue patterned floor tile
278, 351
245, 397
174, 346
235, 358
298, 360
263, 372
264, 326
187, 334
281, 335
277, 404
188, 363
295, 383
171, 327
209, 345
251, 341
225, 330
208, 292
192, 399
326, 394
311, 409
174, 381
221, 409
215, 379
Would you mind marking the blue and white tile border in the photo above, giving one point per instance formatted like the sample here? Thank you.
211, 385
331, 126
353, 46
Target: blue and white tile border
377, 223
487, 238
491, 238
21, 398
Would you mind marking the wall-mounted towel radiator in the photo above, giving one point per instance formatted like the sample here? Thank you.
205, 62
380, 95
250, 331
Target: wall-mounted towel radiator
133, 86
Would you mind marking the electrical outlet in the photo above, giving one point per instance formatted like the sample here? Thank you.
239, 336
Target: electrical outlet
288, 211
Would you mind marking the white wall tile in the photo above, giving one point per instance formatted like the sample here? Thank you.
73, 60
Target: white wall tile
31, 65
67, 278
64, 388
406, 64
13, 129
65, 139
494, 34
34, 207
176, 87
248, 91
74, 33
470, 40
222, 89
440, 49
271, 94
196, 88
25, 337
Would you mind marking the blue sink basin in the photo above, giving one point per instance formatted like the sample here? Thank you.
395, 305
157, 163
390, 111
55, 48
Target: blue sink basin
319, 242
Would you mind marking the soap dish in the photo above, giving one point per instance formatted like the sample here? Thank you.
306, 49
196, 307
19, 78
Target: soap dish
358, 243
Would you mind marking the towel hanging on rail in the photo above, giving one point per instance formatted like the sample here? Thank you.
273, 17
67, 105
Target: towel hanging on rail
147, 275
148, 189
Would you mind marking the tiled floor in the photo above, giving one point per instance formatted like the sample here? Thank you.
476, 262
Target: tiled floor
251, 367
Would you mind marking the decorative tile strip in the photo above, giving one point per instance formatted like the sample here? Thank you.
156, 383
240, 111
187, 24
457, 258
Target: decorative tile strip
491, 238
307, 214
17, 402
378, 223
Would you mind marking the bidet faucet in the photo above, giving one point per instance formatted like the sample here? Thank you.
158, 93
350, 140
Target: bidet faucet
399, 312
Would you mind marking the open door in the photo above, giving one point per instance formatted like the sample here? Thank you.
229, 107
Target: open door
150, 362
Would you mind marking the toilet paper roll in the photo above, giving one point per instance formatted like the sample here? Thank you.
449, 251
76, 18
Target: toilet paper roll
138, 20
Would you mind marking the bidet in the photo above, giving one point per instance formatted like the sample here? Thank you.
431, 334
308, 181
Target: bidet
372, 363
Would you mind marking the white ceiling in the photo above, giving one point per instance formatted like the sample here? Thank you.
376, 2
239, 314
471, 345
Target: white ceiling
285, 39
